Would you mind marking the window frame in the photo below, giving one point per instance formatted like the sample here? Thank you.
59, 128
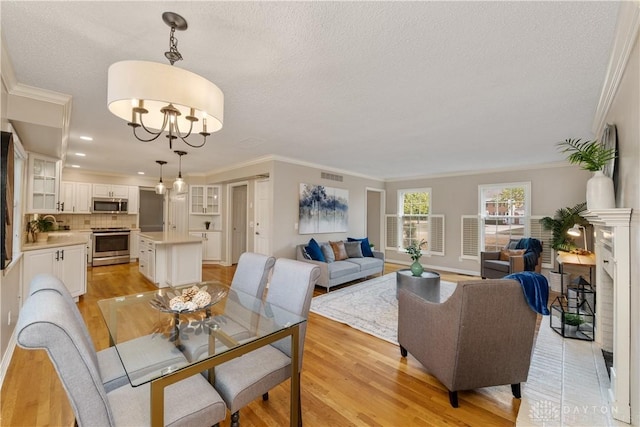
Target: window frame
401, 215
482, 214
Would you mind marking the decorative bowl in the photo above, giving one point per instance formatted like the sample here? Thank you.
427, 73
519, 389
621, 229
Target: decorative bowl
189, 299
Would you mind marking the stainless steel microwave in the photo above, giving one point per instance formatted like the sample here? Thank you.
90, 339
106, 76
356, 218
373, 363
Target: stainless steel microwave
112, 206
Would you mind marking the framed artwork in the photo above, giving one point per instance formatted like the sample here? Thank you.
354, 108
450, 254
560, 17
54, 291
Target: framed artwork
610, 141
323, 209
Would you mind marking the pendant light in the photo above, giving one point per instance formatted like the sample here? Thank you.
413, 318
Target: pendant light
160, 187
179, 186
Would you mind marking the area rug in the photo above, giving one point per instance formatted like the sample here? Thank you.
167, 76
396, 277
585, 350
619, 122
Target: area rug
369, 306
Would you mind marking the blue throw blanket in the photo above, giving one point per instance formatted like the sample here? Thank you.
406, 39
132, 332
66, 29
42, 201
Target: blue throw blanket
533, 249
535, 288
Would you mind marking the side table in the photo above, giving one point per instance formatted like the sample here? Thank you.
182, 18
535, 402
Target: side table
426, 286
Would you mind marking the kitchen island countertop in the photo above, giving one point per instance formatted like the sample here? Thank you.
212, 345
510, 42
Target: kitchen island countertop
169, 237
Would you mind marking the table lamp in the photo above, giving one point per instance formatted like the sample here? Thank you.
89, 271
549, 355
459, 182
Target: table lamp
575, 231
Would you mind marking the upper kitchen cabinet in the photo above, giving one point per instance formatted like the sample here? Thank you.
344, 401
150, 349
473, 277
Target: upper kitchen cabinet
111, 191
204, 199
134, 200
75, 197
44, 180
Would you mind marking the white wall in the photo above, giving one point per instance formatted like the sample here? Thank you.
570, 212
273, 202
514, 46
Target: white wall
625, 114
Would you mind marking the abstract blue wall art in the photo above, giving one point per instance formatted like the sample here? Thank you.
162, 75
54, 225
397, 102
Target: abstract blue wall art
323, 209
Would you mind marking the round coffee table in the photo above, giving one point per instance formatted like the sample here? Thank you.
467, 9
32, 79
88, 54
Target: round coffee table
426, 286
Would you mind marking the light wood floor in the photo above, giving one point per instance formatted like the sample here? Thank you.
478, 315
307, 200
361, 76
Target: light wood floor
349, 378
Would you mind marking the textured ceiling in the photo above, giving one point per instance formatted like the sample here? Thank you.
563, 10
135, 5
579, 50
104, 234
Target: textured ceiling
384, 89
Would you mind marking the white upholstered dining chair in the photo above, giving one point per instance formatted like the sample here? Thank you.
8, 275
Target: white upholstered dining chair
245, 378
151, 352
45, 322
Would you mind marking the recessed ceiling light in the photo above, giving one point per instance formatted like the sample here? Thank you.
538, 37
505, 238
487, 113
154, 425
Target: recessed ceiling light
80, 154
140, 173
86, 138
75, 166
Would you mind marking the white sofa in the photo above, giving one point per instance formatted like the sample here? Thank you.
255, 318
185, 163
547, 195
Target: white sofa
338, 272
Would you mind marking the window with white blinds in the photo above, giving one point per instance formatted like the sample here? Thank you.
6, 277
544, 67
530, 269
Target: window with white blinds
546, 237
470, 237
436, 244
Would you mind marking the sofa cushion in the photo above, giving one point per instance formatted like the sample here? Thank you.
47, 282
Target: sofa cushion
497, 265
364, 244
367, 263
327, 251
314, 251
354, 249
339, 250
342, 268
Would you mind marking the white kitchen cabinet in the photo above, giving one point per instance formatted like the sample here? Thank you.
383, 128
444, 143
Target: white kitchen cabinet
67, 263
134, 247
111, 191
44, 183
134, 200
211, 244
147, 258
75, 197
204, 199
170, 259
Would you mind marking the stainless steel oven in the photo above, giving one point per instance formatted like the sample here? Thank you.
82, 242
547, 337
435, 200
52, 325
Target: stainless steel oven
110, 246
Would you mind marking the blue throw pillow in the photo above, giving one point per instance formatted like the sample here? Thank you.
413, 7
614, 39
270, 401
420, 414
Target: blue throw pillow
364, 243
314, 251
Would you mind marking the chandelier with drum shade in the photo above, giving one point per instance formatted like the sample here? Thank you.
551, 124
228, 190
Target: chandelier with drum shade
158, 98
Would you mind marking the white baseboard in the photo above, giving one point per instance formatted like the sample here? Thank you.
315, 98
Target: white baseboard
6, 357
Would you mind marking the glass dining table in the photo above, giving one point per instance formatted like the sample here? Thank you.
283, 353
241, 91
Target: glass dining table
161, 346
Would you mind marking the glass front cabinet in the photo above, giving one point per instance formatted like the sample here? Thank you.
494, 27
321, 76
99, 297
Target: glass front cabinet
204, 199
44, 182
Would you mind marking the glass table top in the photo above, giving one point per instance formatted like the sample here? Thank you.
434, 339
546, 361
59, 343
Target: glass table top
152, 340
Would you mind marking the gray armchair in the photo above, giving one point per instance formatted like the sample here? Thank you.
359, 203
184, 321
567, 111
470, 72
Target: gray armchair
496, 265
481, 336
45, 322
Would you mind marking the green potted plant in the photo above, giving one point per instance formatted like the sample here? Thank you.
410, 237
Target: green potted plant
593, 156
572, 321
40, 228
415, 252
562, 221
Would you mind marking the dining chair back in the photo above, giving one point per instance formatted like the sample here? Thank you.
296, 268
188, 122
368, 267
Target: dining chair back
252, 273
150, 354
245, 378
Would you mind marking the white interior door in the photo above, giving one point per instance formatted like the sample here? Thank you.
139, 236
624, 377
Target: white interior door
238, 222
262, 238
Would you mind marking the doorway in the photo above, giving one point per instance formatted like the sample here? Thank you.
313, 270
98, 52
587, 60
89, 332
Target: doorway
238, 221
375, 217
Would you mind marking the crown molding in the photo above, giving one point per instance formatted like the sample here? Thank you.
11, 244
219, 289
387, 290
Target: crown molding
274, 158
627, 27
514, 168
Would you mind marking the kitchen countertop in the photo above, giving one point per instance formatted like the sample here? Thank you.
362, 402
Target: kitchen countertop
57, 240
169, 238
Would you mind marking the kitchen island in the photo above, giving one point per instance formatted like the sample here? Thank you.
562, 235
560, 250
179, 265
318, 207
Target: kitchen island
170, 258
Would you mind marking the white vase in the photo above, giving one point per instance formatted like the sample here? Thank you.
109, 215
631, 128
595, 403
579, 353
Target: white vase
600, 194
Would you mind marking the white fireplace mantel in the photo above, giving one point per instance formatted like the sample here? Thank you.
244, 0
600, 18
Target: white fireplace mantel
613, 301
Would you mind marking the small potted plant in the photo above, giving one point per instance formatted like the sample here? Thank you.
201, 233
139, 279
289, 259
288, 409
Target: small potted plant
593, 156
572, 321
415, 252
207, 224
40, 228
